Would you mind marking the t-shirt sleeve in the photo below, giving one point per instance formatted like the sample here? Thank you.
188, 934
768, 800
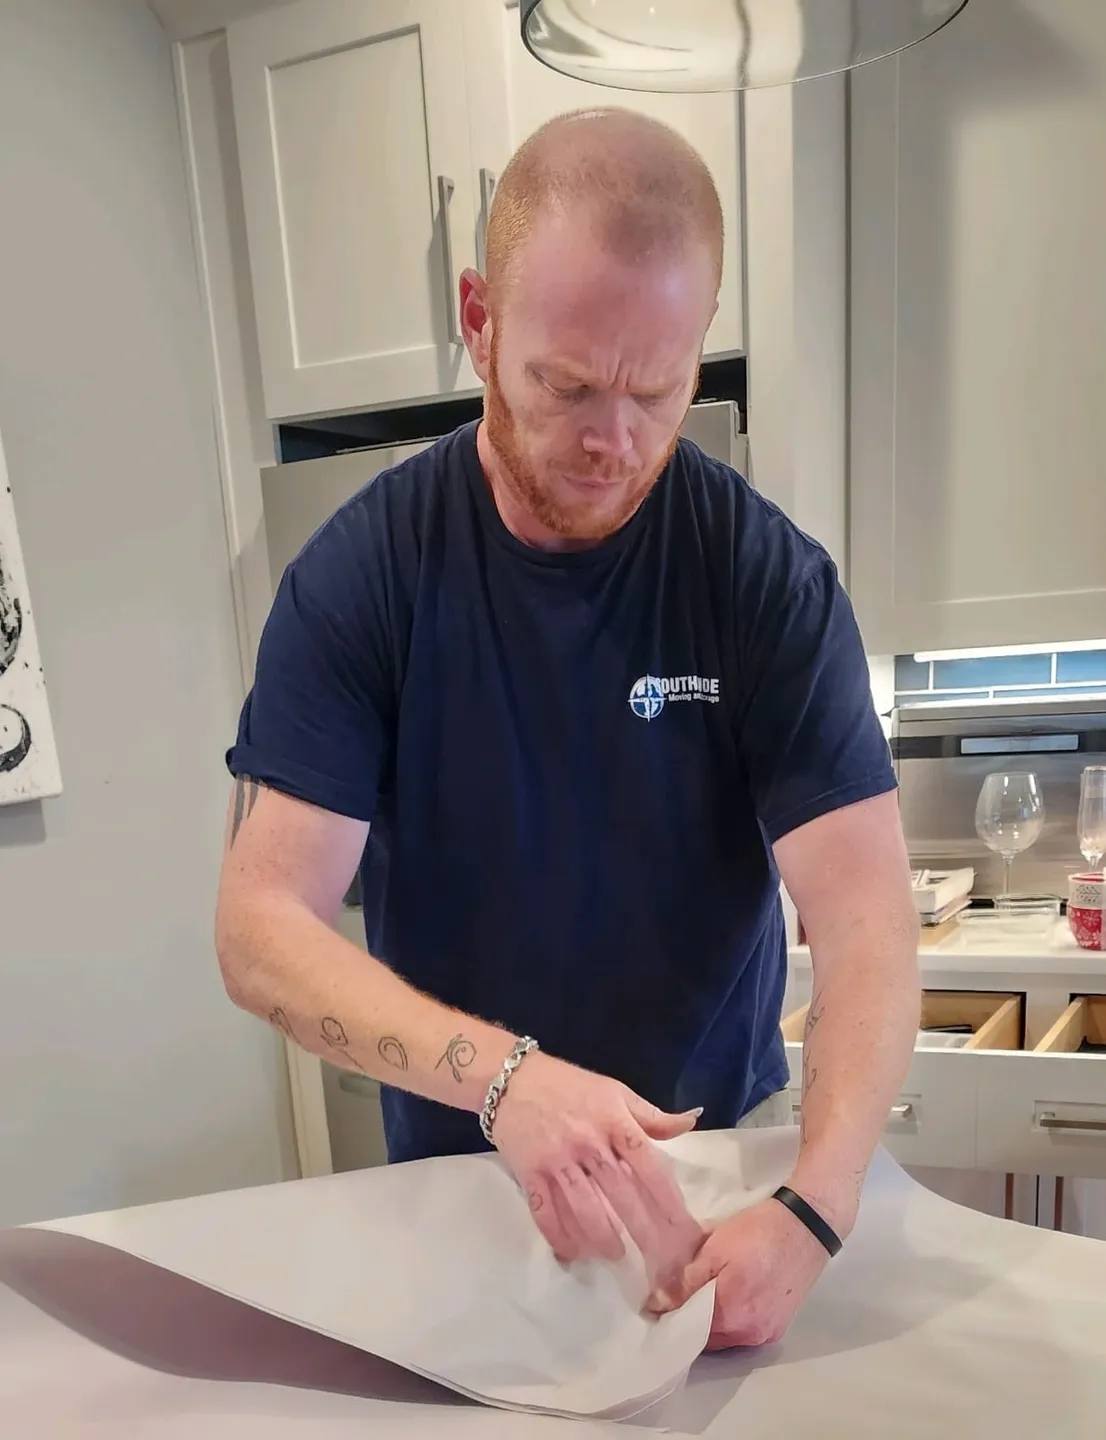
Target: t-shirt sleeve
809, 734
317, 721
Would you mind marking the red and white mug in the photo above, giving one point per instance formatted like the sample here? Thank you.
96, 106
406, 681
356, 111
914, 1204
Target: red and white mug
1086, 899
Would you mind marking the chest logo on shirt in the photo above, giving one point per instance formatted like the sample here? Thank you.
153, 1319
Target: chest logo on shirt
650, 694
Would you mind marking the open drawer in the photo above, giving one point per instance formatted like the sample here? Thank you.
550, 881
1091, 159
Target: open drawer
1044, 1112
933, 1120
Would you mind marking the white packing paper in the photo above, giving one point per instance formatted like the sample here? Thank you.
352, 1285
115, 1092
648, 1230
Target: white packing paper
934, 1320
437, 1266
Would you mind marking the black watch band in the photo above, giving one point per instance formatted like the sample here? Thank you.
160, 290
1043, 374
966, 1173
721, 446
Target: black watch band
823, 1233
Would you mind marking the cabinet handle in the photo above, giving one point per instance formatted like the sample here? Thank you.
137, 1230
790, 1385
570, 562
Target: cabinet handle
445, 195
487, 191
1048, 1120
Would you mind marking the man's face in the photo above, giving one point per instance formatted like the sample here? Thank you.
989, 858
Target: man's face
594, 362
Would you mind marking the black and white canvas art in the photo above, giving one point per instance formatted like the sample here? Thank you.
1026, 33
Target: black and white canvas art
28, 758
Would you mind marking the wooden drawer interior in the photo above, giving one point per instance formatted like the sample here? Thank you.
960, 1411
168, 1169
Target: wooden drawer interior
793, 1026
1082, 1023
996, 1019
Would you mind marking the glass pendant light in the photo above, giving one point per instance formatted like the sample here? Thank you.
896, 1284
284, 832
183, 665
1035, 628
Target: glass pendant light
722, 44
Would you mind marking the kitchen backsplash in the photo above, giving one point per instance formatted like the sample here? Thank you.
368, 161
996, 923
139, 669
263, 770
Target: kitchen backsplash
1028, 675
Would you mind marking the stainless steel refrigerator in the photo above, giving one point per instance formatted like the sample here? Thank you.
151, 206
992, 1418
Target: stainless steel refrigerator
298, 497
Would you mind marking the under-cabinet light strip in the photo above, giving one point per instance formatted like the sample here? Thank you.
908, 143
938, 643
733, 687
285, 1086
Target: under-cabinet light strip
994, 652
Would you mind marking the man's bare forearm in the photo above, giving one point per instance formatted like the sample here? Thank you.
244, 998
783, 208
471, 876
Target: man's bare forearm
287, 966
860, 1032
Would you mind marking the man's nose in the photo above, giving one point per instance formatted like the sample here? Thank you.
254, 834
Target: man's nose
608, 431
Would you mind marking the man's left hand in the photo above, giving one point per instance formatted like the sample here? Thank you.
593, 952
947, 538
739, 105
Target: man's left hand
765, 1262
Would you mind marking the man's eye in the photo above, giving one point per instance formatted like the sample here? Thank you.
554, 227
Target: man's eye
573, 393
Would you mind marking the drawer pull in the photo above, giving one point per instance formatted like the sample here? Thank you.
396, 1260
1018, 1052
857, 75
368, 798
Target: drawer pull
905, 1111
1049, 1120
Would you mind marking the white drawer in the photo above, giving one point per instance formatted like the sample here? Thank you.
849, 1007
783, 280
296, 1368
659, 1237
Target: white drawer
1044, 1112
933, 1119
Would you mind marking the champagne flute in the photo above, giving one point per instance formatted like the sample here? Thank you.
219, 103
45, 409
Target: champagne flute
1092, 815
1009, 817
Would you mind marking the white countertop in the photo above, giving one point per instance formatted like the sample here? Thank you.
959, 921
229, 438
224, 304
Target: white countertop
1050, 955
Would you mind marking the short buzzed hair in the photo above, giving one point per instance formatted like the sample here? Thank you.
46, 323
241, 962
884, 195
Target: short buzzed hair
644, 189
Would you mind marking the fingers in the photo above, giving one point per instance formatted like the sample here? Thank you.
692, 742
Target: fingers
553, 1220
653, 1174
621, 1190
573, 1216
744, 1331
659, 1124
592, 1174
637, 1182
588, 1215
683, 1286
607, 1193
667, 1248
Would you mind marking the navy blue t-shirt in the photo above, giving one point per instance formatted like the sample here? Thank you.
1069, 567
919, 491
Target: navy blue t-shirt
574, 764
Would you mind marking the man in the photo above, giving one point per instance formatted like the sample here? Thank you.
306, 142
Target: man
579, 698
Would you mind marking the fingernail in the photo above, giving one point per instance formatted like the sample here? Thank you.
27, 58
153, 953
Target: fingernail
658, 1303
697, 1112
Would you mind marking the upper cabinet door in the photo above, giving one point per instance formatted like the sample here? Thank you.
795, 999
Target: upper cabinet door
710, 122
353, 142
978, 368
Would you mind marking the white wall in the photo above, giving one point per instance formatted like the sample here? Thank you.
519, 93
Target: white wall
125, 1075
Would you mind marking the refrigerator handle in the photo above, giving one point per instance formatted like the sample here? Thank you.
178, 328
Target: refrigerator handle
487, 191
445, 195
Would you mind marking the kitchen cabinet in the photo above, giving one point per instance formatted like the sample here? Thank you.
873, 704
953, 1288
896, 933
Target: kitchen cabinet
370, 136
353, 145
1046, 1112
1010, 1100
933, 1120
534, 94
977, 480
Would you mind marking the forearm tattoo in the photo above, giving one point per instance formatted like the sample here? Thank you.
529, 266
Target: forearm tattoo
859, 1177
279, 1018
246, 792
458, 1055
334, 1033
392, 1052
810, 1070
810, 1076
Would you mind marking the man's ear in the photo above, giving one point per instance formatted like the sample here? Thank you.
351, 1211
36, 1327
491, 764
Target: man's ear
476, 321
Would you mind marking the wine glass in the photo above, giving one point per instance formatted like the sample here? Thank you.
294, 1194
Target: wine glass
1092, 815
1009, 817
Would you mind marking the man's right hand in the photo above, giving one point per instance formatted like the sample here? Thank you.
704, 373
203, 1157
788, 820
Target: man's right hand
581, 1147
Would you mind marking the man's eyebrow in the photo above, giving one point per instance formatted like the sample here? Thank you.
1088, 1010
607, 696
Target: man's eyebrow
567, 377
558, 374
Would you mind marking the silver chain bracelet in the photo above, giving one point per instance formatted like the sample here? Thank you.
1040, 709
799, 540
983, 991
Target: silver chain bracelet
498, 1088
